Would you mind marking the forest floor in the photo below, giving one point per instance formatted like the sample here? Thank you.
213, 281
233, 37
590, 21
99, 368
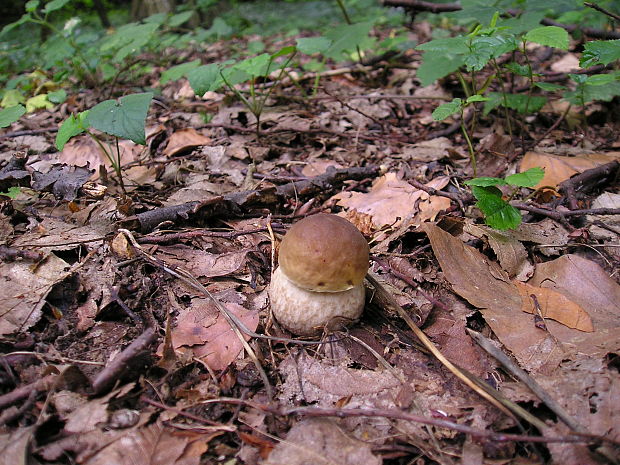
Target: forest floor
115, 306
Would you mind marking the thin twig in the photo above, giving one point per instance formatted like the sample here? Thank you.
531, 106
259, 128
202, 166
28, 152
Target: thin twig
602, 10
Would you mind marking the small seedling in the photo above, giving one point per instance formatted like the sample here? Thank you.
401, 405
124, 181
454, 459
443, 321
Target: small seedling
498, 213
123, 118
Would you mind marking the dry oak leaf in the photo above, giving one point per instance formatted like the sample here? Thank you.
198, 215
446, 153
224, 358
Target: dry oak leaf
184, 140
556, 306
559, 168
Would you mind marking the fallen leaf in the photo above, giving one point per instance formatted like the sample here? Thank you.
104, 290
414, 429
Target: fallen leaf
201, 263
555, 306
321, 440
24, 290
183, 140
559, 168
203, 330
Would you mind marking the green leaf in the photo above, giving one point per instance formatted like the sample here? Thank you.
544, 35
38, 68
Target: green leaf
180, 18
32, 5
485, 181
54, 5
219, 28
347, 38
312, 45
447, 109
289, 50
548, 86
519, 102
122, 118
9, 115
527, 178
38, 102
497, 212
437, 65
600, 51
476, 98
178, 71
71, 127
58, 96
551, 36
450, 45
600, 79
11, 98
255, 66
13, 192
205, 78
519, 70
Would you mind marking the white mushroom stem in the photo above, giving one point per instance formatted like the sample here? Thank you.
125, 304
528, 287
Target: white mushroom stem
306, 312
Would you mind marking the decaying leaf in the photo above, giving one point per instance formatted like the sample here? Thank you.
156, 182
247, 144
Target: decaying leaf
559, 168
555, 306
183, 140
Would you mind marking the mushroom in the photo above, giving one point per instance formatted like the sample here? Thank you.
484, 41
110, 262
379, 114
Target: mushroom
320, 280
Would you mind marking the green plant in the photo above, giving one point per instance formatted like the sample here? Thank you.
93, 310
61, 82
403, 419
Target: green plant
498, 213
123, 118
11, 114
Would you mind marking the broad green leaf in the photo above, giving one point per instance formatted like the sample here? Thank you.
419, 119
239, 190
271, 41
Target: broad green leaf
476, 98
32, 5
54, 5
447, 109
71, 127
437, 65
256, 46
9, 115
450, 45
58, 96
255, 66
312, 45
600, 51
519, 70
600, 79
527, 178
346, 38
284, 51
178, 71
484, 48
578, 78
485, 181
219, 28
551, 36
9, 27
124, 117
519, 102
497, 212
180, 18
205, 78
593, 93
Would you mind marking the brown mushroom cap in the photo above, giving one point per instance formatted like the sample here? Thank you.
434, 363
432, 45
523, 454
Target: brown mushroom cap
324, 253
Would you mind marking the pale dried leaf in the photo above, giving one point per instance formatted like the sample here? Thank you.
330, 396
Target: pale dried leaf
183, 140
201, 263
24, 289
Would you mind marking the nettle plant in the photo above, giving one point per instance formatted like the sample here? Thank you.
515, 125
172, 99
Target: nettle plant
123, 118
494, 204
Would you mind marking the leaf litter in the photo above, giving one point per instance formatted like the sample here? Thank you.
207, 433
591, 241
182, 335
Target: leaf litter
546, 293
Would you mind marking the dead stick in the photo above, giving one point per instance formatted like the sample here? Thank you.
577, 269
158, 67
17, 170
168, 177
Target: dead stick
23, 392
110, 374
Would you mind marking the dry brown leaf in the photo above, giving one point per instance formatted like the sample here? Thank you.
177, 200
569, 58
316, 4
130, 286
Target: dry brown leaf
153, 445
321, 441
183, 140
390, 200
319, 166
201, 263
15, 445
24, 289
203, 330
555, 306
427, 151
559, 168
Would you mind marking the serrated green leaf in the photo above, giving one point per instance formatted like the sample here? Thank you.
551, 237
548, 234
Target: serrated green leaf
449, 45
551, 36
9, 115
497, 212
347, 38
485, 181
71, 127
255, 66
122, 118
519, 70
527, 178
178, 71
312, 45
600, 51
600, 79
446, 109
205, 78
